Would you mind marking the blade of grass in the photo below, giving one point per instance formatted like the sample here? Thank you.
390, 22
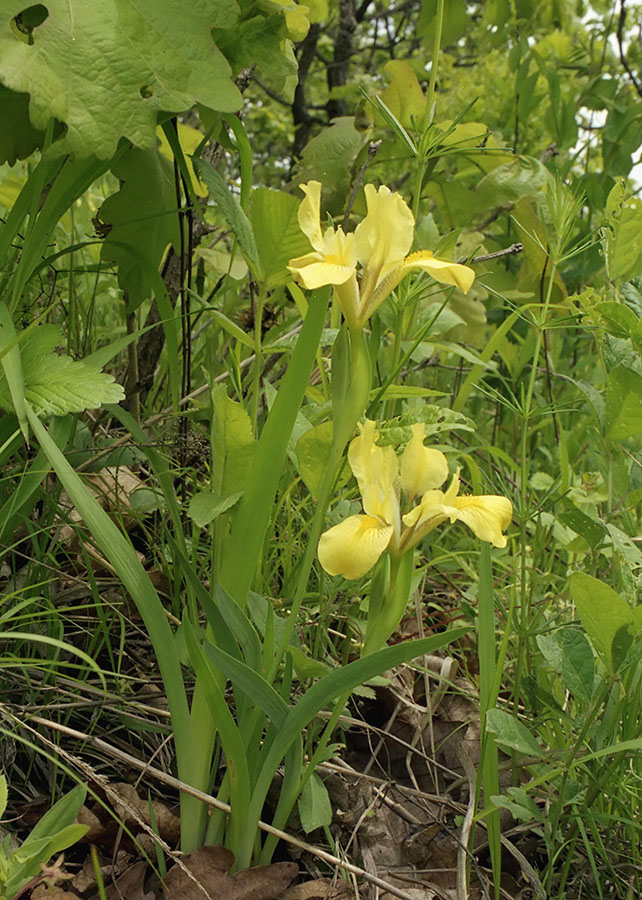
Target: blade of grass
122, 557
253, 512
332, 685
487, 699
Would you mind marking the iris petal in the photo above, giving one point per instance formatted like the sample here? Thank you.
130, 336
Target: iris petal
352, 547
376, 470
312, 271
309, 214
385, 235
440, 269
422, 468
486, 516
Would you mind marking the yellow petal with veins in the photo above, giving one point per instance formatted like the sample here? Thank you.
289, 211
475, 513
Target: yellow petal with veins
440, 269
486, 516
422, 468
352, 547
313, 271
309, 214
385, 235
376, 470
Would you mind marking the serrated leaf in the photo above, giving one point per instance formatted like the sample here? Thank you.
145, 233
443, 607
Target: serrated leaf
143, 219
56, 385
279, 238
86, 60
231, 211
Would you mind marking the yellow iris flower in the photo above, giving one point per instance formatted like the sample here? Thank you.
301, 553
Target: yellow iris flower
378, 245
352, 547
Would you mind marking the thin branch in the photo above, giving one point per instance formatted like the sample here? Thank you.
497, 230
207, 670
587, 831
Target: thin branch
620, 44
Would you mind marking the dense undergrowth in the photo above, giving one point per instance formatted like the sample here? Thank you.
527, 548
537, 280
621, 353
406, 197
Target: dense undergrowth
161, 589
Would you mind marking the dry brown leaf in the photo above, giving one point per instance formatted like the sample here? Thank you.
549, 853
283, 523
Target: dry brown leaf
111, 870
112, 488
130, 885
318, 889
167, 824
210, 866
42, 892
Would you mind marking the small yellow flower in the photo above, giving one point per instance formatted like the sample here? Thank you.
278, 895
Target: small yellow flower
352, 547
378, 245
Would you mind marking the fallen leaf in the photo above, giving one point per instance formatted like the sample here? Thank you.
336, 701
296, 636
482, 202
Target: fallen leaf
318, 889
42, 892
130, 885
209, 867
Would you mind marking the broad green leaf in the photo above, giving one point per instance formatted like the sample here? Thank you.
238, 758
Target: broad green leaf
521, 806
223, 263
623, 404
622, 238
617, 318
404, 96
206, 506
20, 139
61, 814
315, 809
510, 732
279, 239
507, 183
106, 69
329, 156
56, 385
262, 43
143, 220
621, 132
568, 651
233, 444
607, 618
305, 666
592, 531
312, 452
455, 24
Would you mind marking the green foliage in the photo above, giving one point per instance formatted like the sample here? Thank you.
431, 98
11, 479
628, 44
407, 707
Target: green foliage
608, 619
279, 239
532, 383
56, 385
141, 218
81, 61
54, 832
622, 239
